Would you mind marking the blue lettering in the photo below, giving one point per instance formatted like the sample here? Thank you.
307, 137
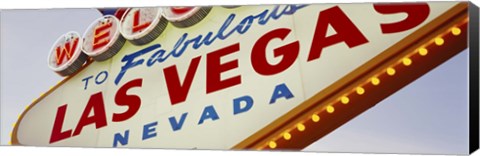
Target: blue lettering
225, 25
293, 9
151, 61
261, 17
129, 61
208, 113
104, 78
237, 104
184, 47
86, 82
177, 125
122, 139
149, 130
174, 52
197, 42
274, 14
280, 91
157, 57
246, 23
208, 40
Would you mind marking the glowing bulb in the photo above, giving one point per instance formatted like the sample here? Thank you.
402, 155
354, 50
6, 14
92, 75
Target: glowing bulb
360, 90
315, 118
272, 144
439, 41
330, 109
456, 31
345, 100
300, 127
423, 51
390, 71
375, 81
287, 136
407, 61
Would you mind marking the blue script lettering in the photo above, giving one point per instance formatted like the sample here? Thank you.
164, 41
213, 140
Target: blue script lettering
185, 41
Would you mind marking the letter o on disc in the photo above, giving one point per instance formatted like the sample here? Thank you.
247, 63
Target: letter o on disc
183, 17
103, 40
66, 56
143, 25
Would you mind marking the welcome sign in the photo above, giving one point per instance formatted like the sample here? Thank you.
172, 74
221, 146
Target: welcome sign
273, 77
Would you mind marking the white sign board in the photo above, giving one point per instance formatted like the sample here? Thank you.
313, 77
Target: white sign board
215, 83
